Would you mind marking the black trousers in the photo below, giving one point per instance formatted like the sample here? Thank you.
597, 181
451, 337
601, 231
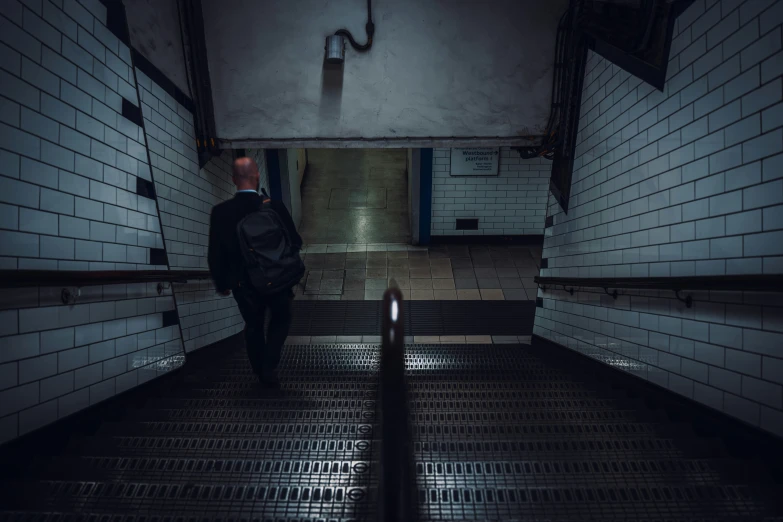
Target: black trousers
264, 350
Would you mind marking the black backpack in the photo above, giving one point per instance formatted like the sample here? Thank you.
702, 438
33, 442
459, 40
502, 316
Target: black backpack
271, 262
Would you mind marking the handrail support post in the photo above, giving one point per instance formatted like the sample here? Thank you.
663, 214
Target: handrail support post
688, 300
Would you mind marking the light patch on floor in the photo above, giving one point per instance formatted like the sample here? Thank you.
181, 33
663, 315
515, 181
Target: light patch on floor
354, 196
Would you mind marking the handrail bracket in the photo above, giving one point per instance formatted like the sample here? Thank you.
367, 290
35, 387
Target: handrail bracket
688, 300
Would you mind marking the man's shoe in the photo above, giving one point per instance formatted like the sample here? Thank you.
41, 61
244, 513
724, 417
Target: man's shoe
270, 378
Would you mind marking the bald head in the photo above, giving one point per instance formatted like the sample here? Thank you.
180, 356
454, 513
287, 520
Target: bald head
245, 174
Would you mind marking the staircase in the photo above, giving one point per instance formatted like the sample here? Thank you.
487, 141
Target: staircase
499, 432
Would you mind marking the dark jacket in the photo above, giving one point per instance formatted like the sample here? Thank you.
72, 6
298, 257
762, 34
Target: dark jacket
225, 258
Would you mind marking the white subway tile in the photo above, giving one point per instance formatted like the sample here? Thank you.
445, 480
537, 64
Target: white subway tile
9, 164
772, 67
725, 380
19, 141
9, 216
763, 195
18, 244
88, 209
8, 375
726, 159
57, 386
75, 96
20, 40
57, 156
40, 125
15, 347
73, 402
762, 48
37, 368
762, 391
55, 201
89, 126
772, 369
58, 19
725, 115
726, 247
35, 172
88, 375
710, 186
88, 334
726, 203
764, 145
102, 391
744, 223
18, 398
101, 152
744, 176
103, 192
56, 247
57, 340
38, 222
765, 244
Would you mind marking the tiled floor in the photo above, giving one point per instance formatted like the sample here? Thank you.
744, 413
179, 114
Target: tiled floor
355, 196
446, 272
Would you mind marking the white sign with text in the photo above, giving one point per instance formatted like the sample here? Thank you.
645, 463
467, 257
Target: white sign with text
474, 162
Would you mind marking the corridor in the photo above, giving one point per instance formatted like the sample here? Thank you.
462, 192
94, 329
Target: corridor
352, 196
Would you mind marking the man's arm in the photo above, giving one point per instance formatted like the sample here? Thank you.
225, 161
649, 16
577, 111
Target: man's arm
288, 222
215, 259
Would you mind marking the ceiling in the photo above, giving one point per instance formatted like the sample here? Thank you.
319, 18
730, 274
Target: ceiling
437, 68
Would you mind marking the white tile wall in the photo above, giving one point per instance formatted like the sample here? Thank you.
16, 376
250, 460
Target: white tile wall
186, 195
512, 203
699, 165
68, 167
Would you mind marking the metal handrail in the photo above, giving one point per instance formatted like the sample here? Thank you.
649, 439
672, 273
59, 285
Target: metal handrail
76, 279
396, 499
733, 283
79, 278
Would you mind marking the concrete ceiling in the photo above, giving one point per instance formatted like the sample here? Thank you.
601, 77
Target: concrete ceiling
437, 68
155, 33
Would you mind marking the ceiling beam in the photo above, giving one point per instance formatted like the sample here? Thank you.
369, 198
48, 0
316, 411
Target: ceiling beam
381, 143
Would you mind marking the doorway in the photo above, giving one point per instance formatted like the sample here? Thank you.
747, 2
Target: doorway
355, 196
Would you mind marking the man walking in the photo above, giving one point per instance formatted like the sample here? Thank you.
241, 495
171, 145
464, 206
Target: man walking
254, 252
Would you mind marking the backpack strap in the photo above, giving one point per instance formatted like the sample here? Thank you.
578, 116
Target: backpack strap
265, 196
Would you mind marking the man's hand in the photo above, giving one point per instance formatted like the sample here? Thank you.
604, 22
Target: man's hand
225, 293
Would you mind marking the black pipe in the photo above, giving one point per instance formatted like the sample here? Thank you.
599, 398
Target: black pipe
370, 28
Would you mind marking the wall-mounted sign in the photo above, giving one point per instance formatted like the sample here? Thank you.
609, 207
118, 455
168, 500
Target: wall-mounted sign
474, 162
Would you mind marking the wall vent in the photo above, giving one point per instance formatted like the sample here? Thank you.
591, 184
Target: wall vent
467, 224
